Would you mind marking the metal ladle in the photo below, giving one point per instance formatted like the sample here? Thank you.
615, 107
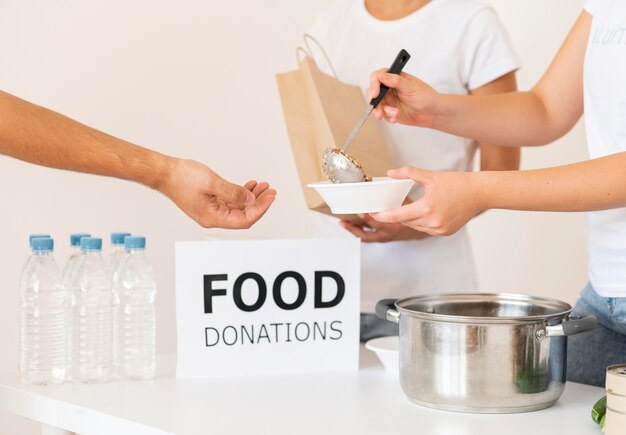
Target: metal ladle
337, 164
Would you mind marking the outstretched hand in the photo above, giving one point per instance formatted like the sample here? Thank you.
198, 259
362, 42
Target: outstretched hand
450, 200
212, 201
409, 100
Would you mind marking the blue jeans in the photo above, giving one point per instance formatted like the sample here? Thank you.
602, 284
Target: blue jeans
590, 353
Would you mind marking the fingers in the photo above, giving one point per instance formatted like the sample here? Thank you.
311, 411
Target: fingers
260, 207
402, 82
387, 110
256, 188
250, 185
260, 188
374, 88
232, 193
403, 86
365, 236
390, 112
267, 193
371, 222
240, 218
423, 231
357, 223
418, 175
413, 212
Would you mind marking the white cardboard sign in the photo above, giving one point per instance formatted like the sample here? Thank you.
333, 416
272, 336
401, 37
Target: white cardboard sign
267, 306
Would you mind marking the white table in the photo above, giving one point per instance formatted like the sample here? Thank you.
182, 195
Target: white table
369, 401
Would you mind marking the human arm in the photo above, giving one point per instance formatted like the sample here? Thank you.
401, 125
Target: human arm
497, 157
536, 117
492, 157
37, 135
451, 199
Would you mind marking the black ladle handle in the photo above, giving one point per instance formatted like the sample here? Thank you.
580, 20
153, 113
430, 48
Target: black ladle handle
396, 67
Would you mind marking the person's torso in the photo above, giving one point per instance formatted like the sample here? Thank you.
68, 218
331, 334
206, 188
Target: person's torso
605, 122
357, 44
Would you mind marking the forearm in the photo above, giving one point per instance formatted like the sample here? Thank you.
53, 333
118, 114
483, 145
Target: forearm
499, 158
511, 119
536, 117
34, 134
597, 184
495, 157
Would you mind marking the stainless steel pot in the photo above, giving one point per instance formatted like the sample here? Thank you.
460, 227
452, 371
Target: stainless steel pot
486, 353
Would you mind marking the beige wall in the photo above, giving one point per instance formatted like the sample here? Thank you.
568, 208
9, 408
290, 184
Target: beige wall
195, 78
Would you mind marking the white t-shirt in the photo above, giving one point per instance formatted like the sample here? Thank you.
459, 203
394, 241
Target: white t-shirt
605, 122
456, 46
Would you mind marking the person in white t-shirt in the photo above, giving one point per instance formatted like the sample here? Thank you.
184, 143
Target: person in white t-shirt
462, 48
587, 75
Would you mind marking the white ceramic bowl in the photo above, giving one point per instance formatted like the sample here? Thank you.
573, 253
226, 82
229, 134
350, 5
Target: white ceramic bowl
380, 194
386, 349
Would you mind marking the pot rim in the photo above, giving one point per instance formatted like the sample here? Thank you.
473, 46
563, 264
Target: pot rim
564, 307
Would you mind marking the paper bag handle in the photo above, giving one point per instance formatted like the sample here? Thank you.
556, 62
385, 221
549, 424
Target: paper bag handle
309, 53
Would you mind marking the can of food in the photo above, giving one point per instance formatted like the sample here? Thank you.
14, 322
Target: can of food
616, 379
615, 400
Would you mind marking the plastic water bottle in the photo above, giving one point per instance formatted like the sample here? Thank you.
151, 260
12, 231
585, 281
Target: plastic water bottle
37, 236
92, 334
42, 317
134, 314
30, 245
114, 259
70, 268
117, 253
75, 255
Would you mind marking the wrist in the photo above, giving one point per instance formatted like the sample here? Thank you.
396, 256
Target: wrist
484, 190
161, 175
442, 107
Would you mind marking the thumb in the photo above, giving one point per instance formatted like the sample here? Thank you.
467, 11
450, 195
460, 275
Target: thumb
233, 193
418, 175
402, 82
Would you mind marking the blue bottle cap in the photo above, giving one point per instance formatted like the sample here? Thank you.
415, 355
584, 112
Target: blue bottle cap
90, 244
42, 244
75, 238
135, 242
118, 238
36, 236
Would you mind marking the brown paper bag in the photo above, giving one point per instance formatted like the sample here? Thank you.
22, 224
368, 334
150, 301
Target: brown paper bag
320, 112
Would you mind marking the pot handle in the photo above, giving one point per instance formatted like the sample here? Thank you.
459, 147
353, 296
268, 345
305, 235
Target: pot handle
386, 309
570, 326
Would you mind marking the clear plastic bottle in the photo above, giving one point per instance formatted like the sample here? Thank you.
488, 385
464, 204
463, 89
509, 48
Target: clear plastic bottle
69, 269
134, 314
75, 254
92, 334
43, 317
37, 236
117, 253
114, 259
29, 259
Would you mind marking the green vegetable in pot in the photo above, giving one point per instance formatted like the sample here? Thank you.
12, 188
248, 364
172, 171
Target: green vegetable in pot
602, 420
599, 411
532, 369
530, 382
